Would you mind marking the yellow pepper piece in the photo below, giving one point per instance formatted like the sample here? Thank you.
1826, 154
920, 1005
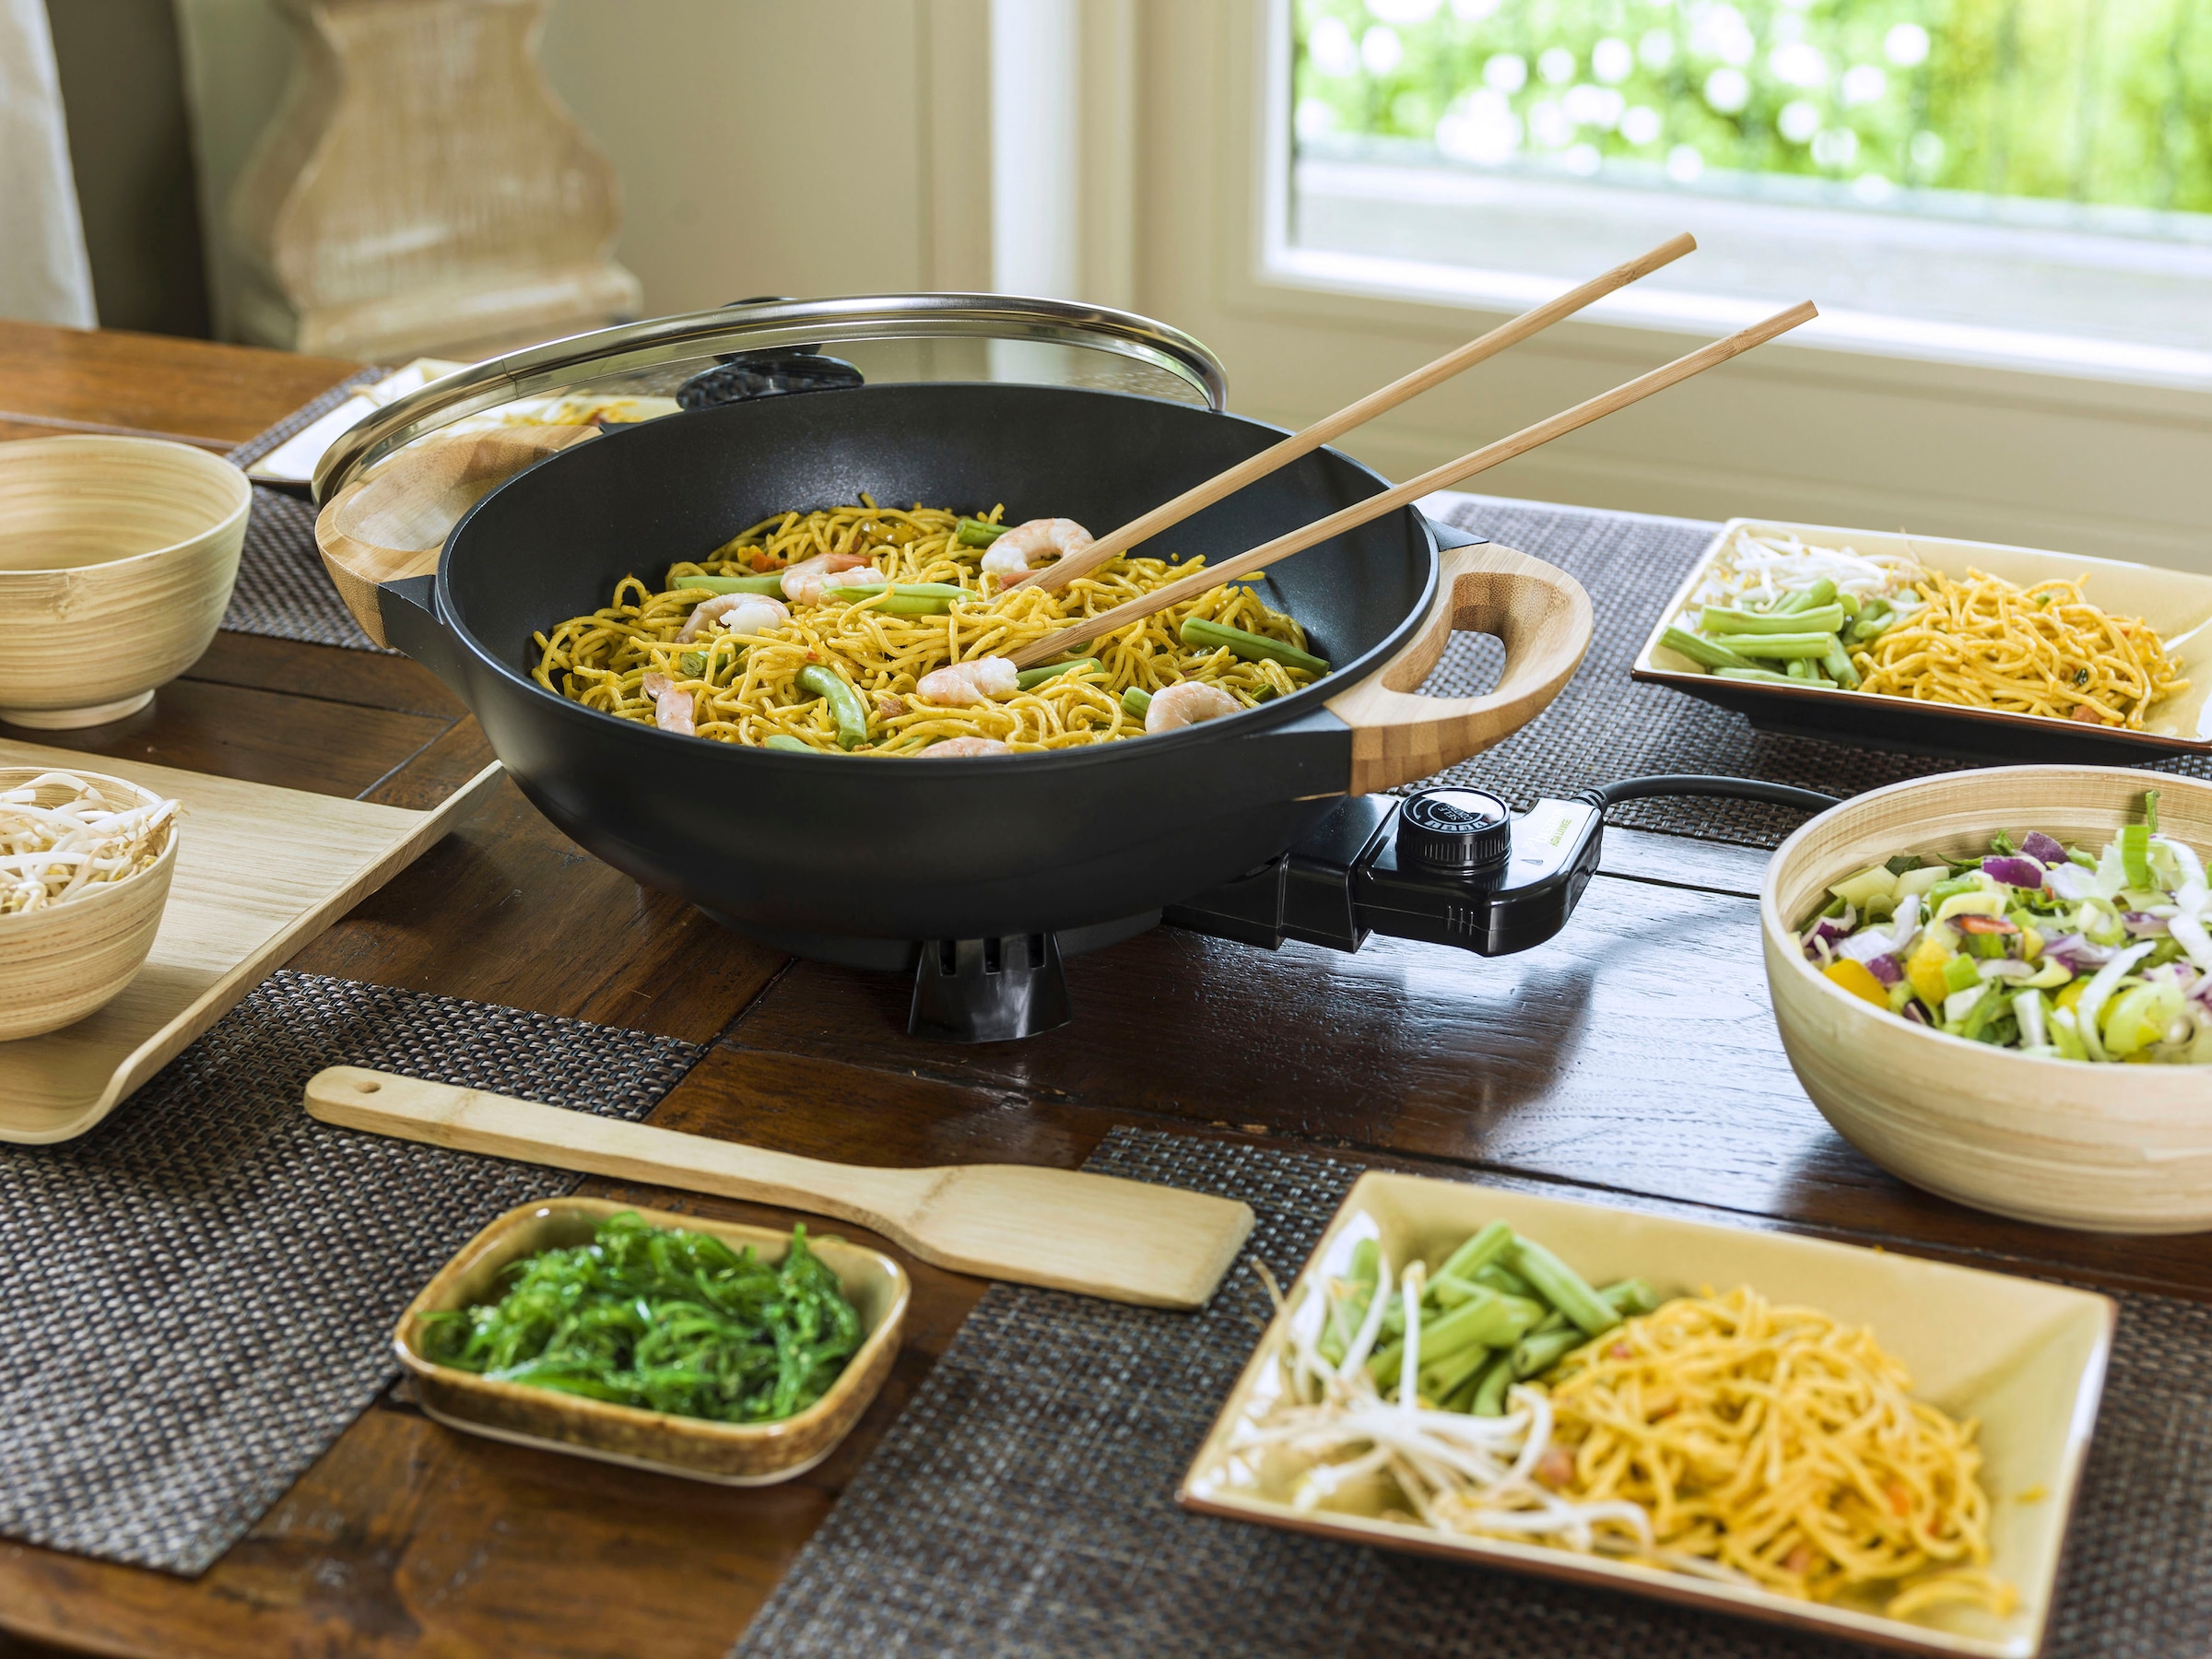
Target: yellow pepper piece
2031, 943
1924, 969
2071, 993
1854, 978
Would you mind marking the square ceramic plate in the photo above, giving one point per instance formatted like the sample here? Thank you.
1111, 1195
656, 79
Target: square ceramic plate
2176, 603
2025, 1357
726, 1454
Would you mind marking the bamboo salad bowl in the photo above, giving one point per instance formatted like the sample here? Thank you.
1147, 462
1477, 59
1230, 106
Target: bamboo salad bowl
117, 555
2101, 1147
64, 961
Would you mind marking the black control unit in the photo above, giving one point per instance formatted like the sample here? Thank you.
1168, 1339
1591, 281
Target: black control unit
1450, 866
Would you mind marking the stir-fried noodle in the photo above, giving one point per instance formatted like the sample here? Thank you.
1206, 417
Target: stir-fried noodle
746, 687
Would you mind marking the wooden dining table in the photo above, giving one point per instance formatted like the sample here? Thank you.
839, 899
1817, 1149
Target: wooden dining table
1630, 1060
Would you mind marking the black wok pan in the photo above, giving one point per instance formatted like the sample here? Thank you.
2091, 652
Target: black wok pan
851, 858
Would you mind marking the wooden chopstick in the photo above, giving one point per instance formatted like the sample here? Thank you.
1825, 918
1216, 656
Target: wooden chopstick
1326, 430
1451, 472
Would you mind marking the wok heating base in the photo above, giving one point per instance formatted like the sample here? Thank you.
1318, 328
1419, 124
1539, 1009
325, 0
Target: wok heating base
1450, 866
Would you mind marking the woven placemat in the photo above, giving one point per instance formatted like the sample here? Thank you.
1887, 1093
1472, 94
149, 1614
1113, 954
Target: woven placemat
197, 1295
1024, 1502
282, 590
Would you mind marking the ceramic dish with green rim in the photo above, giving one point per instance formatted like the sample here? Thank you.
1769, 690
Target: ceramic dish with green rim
2025, 1359
729, 1453
2177, 605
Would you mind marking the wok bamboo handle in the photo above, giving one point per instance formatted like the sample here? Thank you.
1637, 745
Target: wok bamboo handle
1542, 615
392, 523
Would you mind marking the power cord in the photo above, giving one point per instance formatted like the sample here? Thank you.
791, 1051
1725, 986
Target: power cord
1697, 783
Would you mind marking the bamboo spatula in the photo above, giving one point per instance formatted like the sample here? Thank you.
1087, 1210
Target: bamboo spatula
1124, 1241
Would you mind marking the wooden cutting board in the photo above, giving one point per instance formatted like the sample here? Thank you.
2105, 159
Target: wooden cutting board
260, 873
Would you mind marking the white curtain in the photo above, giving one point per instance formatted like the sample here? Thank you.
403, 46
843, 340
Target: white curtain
44, 273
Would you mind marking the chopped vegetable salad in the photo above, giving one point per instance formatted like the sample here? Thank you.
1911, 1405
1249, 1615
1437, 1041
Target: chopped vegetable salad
2038, 946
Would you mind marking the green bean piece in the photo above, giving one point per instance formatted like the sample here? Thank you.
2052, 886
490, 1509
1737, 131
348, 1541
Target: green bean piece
1488, 1321
1346, 1312
1777, 645
1850, 602
1701, 651
1448, 1290
974, 533
1498, 1276
1487, 1245
1136, 701
1541, 1350
771, 584
692, 665
1440, 1382
1716, 620
789, 745
845, 707
1562, 1287
1837, 662
1821, 592
1489, 1393
1800, 668
1045, 671
1629, 1298
1201, 635
900, 599
1755, 673
1462, 1399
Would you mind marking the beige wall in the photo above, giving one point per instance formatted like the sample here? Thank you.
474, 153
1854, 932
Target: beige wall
835, 146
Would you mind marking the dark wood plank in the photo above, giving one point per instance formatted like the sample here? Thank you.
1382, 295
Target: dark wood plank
370, 678
234, 732
195, 390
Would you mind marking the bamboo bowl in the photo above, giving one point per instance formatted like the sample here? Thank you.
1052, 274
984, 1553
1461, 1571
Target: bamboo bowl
2106, 1148
117, 556
60, 963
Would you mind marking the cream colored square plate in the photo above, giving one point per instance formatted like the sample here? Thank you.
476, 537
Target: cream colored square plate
2027, 1359
260, 873
2176, 603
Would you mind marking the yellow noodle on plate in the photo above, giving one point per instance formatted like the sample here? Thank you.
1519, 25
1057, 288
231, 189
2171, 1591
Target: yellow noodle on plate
2044, 650
745, 688
1780, 1443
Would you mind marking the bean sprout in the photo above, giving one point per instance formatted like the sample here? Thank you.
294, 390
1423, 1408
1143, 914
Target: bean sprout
50, 854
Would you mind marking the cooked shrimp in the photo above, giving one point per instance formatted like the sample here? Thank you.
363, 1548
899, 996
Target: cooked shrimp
1009, 555
962, 683
671, 705
967, 745
1187, 702
803, 583
735, 613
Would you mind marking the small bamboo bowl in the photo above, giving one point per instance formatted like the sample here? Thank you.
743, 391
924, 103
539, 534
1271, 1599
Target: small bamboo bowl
2106, 1148
696, 1448
117, 556
64, 961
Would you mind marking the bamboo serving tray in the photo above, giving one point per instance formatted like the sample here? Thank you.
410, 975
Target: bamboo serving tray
260, 873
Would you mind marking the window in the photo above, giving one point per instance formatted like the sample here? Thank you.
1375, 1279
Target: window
2023, 183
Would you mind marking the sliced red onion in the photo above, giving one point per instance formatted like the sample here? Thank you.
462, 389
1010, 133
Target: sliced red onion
1820, 938
2077, 952
2043, 848
1884, 969
2142, 925
2014, 871
1913, 1013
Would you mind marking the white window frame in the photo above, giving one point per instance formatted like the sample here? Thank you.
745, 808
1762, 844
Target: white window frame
1906, 238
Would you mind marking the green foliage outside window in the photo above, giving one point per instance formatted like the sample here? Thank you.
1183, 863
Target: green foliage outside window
2098, 102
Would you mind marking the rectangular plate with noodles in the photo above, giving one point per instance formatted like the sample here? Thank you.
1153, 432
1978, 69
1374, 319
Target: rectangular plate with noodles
2024, 1357
2177, 603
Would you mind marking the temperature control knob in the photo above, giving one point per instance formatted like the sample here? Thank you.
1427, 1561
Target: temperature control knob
1461, 829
